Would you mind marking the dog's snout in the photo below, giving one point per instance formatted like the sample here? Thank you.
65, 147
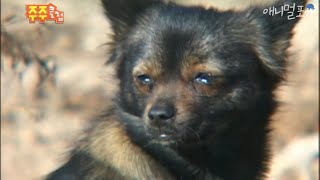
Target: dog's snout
161, 113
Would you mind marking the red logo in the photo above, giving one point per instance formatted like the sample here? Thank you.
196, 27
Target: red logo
43, 13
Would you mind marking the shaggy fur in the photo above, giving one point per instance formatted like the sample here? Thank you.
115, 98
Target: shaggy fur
195, 98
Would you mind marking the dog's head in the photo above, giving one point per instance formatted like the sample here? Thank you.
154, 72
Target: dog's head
186, 72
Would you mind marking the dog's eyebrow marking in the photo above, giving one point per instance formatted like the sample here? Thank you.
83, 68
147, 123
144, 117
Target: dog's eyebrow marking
190, 61
148, 66
193, 65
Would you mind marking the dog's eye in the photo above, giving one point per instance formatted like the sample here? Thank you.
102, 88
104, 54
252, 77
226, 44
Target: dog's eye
204, 78
145, 80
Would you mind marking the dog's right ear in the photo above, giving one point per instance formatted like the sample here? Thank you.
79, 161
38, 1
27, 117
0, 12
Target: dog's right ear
124, 13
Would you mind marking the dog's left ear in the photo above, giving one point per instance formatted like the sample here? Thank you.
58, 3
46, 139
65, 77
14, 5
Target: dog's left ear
124, 13
276, 31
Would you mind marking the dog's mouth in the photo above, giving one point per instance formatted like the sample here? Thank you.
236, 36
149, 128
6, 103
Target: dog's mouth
163, 134
166, 136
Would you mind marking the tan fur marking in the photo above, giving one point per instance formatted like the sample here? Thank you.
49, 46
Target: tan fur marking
112, 145
148, 67
193, 66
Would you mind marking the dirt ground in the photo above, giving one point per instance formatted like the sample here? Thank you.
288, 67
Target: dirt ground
53, 81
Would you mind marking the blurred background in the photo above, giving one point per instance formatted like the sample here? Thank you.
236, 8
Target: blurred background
53, 81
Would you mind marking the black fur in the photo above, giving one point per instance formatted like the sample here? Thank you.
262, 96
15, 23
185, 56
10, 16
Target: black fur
218, 130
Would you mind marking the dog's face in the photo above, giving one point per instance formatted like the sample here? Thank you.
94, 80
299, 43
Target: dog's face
177, 76
188, 72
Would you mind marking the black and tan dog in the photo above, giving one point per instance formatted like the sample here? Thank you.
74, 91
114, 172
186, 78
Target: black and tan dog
195, 98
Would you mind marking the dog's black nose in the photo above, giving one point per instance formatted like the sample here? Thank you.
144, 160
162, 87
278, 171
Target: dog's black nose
161, 113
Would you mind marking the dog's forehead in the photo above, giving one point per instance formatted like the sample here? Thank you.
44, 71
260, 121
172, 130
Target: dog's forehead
175, 50
176, 36
170, 41
189, 24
